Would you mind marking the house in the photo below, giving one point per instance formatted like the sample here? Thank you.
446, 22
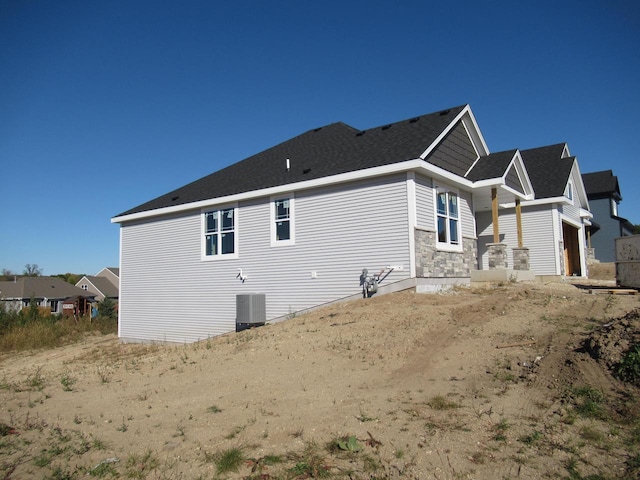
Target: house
48, 292
104, 284
554, 223
299, 223
603, 192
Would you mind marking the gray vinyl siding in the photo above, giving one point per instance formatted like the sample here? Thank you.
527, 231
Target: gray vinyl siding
603, 241
467, 218
572, 212
169, 294
425, 211
539, 230
455, 153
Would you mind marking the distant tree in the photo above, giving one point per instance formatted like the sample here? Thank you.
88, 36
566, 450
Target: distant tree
71, 278
107, 308
6, 274
32, 270
636, 229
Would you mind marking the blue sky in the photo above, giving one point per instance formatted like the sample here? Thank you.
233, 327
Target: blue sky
107, 104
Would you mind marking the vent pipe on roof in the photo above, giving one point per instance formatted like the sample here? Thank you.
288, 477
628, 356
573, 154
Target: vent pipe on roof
288, 165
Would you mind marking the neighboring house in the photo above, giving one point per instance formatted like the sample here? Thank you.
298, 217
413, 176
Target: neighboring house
604, 196
553, 223
48, 292
105, 284
301, 220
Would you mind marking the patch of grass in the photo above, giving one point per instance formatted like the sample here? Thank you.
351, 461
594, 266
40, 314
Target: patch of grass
68, 381
531, 438
440, 402
591, 434
103, 469
310, 463
629, 368
50, 331
234, 433
122, 427
214, 409
104, 374
141, 466
590, 402
228, 460
500, 428
36, 380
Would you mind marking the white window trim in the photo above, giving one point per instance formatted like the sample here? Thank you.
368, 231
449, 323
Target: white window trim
292, 223
446, 246
203, 235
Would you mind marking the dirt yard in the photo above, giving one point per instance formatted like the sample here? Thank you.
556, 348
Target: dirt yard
503, 381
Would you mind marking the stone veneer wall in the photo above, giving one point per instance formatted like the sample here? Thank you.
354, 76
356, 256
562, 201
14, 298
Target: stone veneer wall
497, 256
431, 262
521, 258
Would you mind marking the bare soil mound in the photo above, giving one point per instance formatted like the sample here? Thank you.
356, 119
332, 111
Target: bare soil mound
479, 383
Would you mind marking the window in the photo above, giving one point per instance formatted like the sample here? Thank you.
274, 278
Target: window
569, 192
282, 231
220, 232
283, 219
614, 208
448, 219
84, 287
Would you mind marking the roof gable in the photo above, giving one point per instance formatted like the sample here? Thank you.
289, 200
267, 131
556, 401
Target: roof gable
456, 153
548, 169
102, 284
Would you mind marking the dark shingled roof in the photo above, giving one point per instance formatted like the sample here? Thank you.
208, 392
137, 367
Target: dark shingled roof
602, 184
334, 149
548, 171
493, 165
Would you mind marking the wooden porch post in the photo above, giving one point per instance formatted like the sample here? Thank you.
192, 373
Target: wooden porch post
519, 221
494, 215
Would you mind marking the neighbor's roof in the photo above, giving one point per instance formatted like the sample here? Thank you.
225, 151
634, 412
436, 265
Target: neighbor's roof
114, 270
40, 287
548, 171
331, 150
601, 185
103, 285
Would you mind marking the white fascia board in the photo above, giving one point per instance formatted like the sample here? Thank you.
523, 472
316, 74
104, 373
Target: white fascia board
538, 201
585, 213
544, 201
416, 164
499, 182
579, 185
477, 131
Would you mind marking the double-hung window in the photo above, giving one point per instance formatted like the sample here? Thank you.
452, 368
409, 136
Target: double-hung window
448, 219
220, 232
282, 227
